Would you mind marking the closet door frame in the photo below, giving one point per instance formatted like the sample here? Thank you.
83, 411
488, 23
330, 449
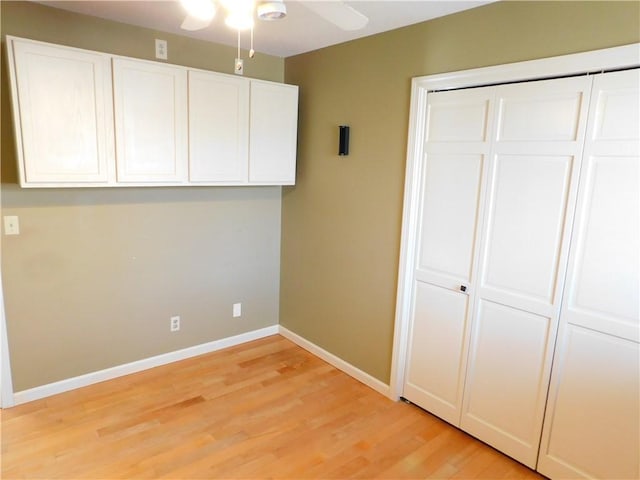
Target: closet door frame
626, 56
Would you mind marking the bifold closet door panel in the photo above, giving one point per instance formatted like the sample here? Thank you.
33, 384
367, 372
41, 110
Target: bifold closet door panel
456, 146
592, 424
531, 191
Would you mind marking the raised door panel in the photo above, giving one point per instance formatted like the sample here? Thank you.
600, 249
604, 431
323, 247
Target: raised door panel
218, 128
437, 347
592, 431
591, 426
531, 191
524, 112
524, 232
507, 378
151, 122
604, 294
452, 178
460, 116
273, 133
449, 217
63, 112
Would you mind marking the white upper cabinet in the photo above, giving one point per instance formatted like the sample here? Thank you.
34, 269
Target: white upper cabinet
150, 101
218, 128
273, 133
85, 118
63, 115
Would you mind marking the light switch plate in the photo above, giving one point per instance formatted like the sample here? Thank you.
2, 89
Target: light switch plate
161, 49
11, 225
238, 68
237, 309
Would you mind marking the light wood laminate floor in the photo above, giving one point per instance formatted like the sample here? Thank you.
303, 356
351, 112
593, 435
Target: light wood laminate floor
265, 409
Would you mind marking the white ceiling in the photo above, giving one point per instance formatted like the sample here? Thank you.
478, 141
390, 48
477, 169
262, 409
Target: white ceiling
300, 31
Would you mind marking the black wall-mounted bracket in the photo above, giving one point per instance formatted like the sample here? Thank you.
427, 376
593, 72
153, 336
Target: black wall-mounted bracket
343, 145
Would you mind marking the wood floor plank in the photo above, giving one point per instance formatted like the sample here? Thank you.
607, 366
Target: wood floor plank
265, 409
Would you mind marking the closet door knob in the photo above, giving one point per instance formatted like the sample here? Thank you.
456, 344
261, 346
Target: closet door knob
463, 288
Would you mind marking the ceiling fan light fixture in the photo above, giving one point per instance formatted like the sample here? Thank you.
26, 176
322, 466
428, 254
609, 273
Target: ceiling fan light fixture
239, 20
272, 10
201, 9
239, 13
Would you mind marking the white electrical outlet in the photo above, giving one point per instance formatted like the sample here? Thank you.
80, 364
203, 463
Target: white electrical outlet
11, 225
175, 323
161, 49
237, 310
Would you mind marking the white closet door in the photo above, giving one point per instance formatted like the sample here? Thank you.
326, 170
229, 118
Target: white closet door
457, 143
531, 191
218, 128
592, 424
151, 122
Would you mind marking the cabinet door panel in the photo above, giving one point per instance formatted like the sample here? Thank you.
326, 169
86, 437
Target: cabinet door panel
64, 114
273, 133
151, 122
218, 128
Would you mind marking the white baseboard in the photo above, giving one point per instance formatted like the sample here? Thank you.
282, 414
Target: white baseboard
337, 362
54, 388
43, 391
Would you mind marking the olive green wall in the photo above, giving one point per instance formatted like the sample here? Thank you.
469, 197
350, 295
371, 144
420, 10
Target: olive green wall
341, 222
95, 274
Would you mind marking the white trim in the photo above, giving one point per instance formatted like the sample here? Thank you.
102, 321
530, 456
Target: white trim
409, 227
626, 56
337, 362
139, 365
6, 385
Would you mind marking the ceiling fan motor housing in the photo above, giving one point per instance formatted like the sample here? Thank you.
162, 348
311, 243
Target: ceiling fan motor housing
272, 10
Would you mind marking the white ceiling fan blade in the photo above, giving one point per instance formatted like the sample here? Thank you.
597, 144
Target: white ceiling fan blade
194, 23
338, 13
